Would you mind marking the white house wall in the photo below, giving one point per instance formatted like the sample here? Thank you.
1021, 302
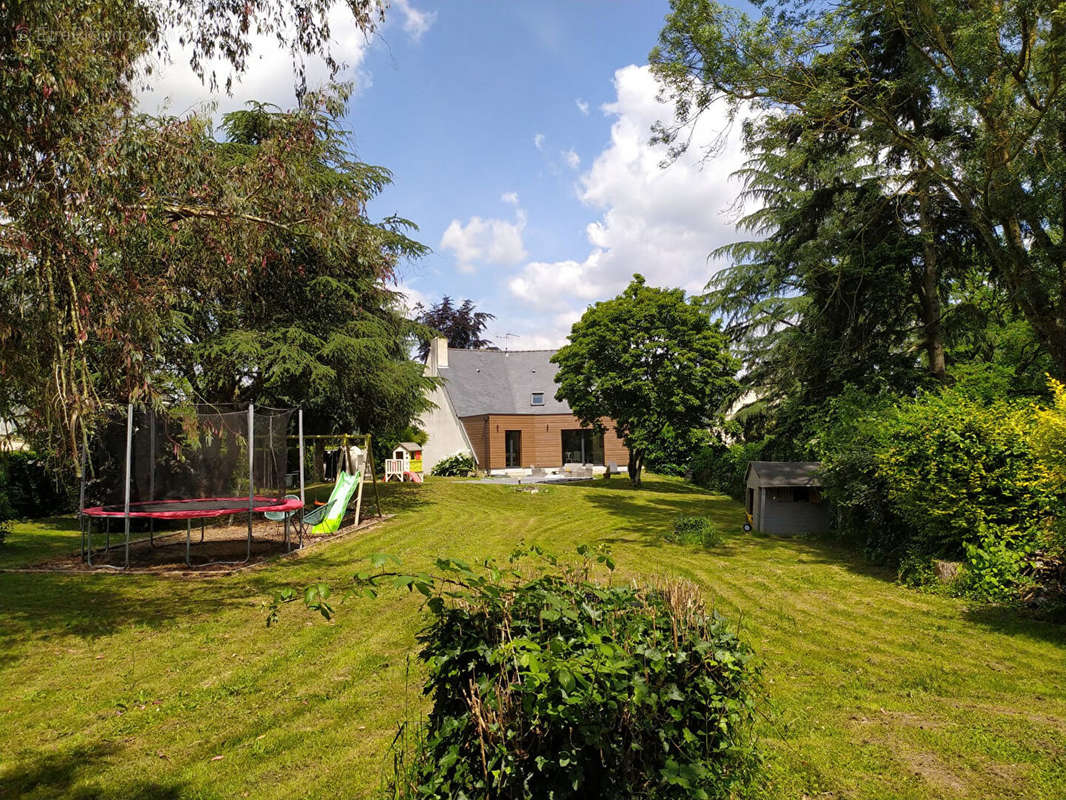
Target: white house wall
446, 434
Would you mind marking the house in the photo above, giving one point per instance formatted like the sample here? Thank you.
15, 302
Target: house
499, 406
785, 497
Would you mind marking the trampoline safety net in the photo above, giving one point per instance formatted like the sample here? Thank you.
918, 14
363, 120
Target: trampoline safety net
195, 454
183, 463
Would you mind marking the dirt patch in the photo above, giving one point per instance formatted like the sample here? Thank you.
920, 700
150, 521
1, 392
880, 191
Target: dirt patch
218, 549
933, 771
904, 719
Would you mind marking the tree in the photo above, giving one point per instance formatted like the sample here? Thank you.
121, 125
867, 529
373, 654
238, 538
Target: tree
647, 360
312, 323
989, 134
461, 325
91, 197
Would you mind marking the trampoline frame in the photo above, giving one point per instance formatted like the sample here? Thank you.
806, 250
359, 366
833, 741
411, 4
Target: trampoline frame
86, 515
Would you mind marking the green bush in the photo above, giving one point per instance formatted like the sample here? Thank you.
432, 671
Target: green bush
562, 687
693, 530
29, 489
457, 466
723, 468
947, 474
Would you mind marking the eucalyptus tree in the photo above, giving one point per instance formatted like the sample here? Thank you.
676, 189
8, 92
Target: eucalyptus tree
94, 201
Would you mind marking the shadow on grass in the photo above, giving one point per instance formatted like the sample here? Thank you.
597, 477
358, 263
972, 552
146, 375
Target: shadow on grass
1049, 626
645, 515
90, 605
58, 775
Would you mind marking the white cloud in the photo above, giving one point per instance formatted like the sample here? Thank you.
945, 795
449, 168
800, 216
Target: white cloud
269, 76
415, 22
511, 198
494, 242
662, 223
538, 141
411, 298
572, 159
582, 106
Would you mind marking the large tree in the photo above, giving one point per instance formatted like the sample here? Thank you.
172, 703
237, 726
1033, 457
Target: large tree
103, 215
988, 132
462, 325
649, 361
302, 320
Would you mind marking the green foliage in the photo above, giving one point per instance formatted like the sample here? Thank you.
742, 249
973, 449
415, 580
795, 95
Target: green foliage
646, 360
28, 489
562, 686
953, 111
1050, 436
672, 452
110, 217
693, 530
954, 468
994, 567
722, 468
457, 466
940, 475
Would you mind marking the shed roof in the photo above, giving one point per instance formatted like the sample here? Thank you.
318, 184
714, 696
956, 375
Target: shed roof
501, 382
786, 473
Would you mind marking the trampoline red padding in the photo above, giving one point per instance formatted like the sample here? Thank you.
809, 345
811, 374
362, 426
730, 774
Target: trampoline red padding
195, 508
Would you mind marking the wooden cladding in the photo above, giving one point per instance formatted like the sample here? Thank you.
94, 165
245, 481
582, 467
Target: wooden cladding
541, 437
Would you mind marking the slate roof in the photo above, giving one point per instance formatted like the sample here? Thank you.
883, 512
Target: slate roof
501, 382
786, 473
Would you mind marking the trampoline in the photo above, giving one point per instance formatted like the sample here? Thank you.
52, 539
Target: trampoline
190, 463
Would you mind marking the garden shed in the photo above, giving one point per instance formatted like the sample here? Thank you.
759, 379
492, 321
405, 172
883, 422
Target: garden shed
785, 497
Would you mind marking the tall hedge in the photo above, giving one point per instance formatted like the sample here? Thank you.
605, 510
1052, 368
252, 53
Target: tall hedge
945, 474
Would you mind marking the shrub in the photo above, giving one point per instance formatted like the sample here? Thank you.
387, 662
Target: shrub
722, 468
5, 531
455, 466
947, 474
693, 530
28, 488
559, 686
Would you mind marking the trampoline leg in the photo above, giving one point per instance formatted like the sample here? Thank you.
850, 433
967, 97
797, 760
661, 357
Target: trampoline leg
201, 531
188, 537
287, 533
107, 538
151, 532
89, 542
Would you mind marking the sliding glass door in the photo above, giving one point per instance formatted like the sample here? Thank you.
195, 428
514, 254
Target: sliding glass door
582, 447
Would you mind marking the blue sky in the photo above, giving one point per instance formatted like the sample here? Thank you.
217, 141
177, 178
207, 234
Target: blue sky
518, 133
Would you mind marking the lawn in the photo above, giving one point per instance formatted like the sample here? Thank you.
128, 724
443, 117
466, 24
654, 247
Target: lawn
160, 687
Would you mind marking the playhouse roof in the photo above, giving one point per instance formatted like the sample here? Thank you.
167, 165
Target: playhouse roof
410, 447
786, 473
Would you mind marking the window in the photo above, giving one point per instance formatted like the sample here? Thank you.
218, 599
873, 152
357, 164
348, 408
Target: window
536, 399
512, 445
582, 447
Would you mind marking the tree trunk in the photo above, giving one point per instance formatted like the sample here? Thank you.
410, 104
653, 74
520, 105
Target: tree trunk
636, 464
930, 290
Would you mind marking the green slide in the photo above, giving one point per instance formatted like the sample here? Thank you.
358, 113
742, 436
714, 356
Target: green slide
327, 518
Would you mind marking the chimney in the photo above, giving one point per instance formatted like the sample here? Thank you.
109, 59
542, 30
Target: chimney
438, 356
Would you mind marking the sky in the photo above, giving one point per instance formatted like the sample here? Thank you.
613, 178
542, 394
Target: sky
518, 137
